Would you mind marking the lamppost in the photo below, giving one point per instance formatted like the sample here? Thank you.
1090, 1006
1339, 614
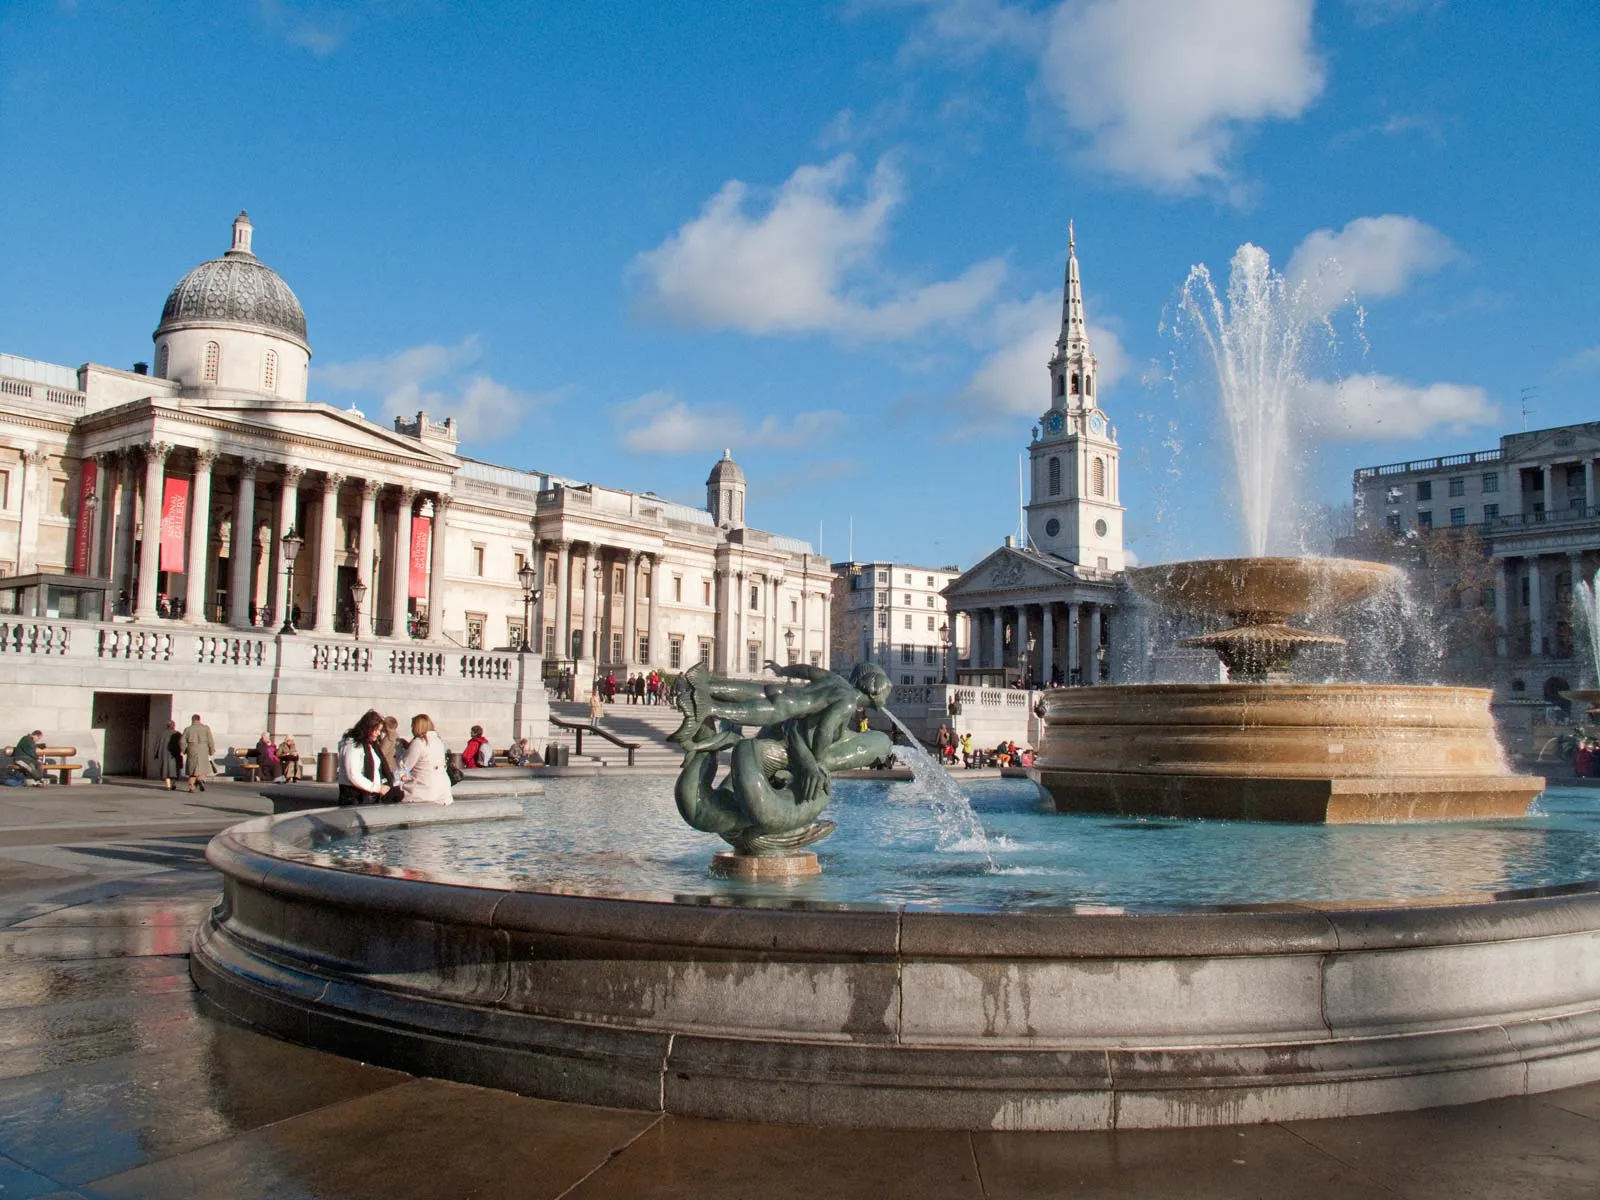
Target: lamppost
788, 640
358, 597
1027, 660
91, 504
944, 642
526, 576
292, 542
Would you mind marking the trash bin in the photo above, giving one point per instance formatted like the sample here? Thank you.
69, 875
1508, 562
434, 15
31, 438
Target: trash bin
326, 772
557, 755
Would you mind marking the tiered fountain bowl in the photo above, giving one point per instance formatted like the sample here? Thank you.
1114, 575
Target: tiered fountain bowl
1589, 698
1261, 747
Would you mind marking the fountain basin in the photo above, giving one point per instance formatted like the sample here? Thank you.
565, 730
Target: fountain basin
885, 1016
1279, 752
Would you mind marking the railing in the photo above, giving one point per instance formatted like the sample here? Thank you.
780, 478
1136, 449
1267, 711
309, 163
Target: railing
34, 637
141, 645
1430, 464
579, 729
416, 662
60, 397
230, 650
485, 666
1559, 516
353, 659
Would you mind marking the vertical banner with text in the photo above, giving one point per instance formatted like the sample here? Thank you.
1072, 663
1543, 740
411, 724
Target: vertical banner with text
174, 523
82, 543
419, 557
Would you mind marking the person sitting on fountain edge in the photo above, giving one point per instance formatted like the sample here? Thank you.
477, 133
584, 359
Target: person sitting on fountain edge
363, 776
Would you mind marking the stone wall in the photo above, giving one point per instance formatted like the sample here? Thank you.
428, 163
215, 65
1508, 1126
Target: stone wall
244, 685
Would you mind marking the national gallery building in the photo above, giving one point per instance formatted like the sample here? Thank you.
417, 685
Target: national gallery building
199, 505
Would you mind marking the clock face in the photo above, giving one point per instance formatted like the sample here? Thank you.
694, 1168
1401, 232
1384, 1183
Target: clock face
1053, 423
1097, 423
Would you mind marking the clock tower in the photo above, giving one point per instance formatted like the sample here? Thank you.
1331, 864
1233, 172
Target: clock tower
1074, 509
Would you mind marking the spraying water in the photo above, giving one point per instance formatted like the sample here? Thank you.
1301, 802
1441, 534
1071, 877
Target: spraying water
1256, 341
959, 827
1583, 591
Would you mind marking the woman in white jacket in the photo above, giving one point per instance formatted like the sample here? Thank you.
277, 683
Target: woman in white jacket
422, 765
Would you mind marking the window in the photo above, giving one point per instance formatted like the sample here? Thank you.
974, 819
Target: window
1425, 490
677, 588
752, 657
616, 647
908, 654
1098, 477
1425, 520
908, 620
161, 361
705, 593
1486, 597
518, 561
930, 602
644, 647
1061, 385
1393, 522
269, 371
930, 580
794, 610
907, 578
883, 577
883, 620
616, 582
548, 645
930, 656
1103, 563
575, 649
675, 653
1458, 517
475, 631
930, 624
1054, 471
929, 680
208, 373
816, 658
906, 679
477, 561
1491, 511
1088, 385
908, 599
1491, 482
514, 632
705, 651
1458, 487
1074, 383
755, 597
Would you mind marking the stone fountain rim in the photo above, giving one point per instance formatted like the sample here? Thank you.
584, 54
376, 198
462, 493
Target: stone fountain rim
274, 854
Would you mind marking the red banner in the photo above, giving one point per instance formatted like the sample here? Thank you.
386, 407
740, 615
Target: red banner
82, 544
419, 557
174, 523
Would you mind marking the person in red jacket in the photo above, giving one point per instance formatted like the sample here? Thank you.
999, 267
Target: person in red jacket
477, 752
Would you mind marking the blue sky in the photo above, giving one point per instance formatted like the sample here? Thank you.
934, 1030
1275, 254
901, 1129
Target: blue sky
614, 238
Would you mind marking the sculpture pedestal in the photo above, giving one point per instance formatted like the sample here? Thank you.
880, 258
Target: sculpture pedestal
726, 864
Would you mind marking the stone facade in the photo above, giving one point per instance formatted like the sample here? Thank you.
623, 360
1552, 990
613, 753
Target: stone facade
176, 491
894, 614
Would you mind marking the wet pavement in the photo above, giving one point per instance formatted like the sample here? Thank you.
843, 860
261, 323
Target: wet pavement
114, 1083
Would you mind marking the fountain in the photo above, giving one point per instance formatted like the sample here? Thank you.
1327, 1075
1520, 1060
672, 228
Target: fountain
1261, 746
1583, 598
580, 949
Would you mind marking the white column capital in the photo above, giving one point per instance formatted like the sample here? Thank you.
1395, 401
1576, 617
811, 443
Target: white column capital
331, 483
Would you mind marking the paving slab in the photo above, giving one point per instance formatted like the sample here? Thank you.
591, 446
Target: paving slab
424, 1139
1495, 1150
53, 1036
714, 1160
28, 984
1185, 1164
86, 1122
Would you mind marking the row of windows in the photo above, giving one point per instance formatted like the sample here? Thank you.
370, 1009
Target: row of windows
1065, 386
928, 680
930, 655
1456, 486
211, 365
883, 621
1458, 517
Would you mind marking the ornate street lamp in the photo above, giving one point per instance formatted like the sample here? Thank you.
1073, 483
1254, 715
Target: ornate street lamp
1027, 660
526, 576
358, 597
944, 642
292, 542
788, 640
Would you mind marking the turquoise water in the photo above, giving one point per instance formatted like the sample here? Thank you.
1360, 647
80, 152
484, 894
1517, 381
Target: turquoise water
624, 838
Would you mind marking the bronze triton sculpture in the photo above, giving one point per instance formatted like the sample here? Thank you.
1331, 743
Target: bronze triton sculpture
778, 781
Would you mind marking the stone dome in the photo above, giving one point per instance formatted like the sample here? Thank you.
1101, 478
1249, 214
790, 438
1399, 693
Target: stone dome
238, 289
725, 471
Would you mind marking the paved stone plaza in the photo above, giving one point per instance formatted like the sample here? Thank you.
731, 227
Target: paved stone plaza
113, 1083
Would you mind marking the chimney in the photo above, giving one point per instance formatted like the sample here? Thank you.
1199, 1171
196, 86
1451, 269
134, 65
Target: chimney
1010, 542
141, 368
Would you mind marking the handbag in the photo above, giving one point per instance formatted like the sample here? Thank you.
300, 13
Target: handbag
452, 772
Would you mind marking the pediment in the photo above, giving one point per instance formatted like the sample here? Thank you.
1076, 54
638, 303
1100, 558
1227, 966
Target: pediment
1009, 569
1579, 441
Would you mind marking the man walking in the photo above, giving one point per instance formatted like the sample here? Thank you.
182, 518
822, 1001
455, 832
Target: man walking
198, 747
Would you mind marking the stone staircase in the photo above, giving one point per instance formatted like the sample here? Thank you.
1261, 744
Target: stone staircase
646, 724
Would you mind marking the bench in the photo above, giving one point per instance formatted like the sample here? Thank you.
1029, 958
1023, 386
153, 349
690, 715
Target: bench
249, 765
50, 759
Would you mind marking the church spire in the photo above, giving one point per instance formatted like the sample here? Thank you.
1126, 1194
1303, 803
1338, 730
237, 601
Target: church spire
1074, 335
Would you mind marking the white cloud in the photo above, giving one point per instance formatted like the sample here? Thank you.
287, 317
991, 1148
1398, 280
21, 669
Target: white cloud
968, 28
805, 262
1375, 407
1013, 379
659, 423
431, 378
1382, 12
1581, 363
1370, 257
1163, 88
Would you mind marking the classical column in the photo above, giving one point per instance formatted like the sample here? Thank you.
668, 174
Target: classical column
366, 565
997, 642
28, 529
327, 568
658, 631
288, 511
630, 610
128, 526
113, 471
1588, 486
194, 597
242, 545
591, 586
400, 563
1535, 609
1024, 659
441, 514
949, 646
1096, 615
1549, 472
155, 464
105, 517
1074, 640
1502, 608
1047, 649
563, 599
